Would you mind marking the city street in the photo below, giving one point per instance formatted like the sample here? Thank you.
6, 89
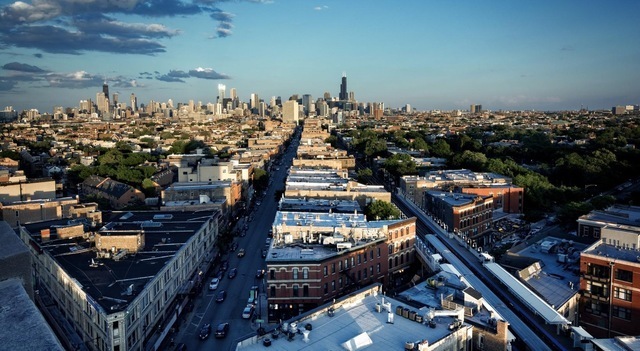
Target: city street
206, 309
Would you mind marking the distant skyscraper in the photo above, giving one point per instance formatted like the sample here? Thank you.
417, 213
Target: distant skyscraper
306, 103
233, 94
290, 111
134, 102
221, 91
327, 95
343, 88
475, 109
352, 96
253, 101
407, 108
105, 90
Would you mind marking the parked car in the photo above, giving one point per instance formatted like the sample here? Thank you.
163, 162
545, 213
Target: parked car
222, 330
233, 272
241, 253
214, 284
221, 296
205, 331
260, 273
248, 311
264, 253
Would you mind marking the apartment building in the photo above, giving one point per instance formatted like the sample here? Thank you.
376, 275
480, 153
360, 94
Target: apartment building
610, 283
121, 285
466, 215
316, 257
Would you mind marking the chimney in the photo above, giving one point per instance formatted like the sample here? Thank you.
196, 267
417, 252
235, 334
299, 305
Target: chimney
45, 234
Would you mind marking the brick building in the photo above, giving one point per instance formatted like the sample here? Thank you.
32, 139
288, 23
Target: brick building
610, 283
317, 257
467, 215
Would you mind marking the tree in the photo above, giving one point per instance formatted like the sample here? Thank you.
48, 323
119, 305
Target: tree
364, 174
381, 210
260, 179
400, 164
441, 148
472, 160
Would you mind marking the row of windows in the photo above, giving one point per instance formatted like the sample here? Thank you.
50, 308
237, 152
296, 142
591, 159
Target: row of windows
622, 293
402, 232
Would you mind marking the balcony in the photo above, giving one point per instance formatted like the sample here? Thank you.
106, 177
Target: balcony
595, 296
595, 278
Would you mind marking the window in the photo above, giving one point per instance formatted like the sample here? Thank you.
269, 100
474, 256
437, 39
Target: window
333, 285
598, 271
379, 251
621, 312
272, 274
326, 288
340, 282
359, 258
295, 291
622, 293
371, 255
272, 293
305, 273
359, 275
325, 270
364, 273
340, 265
353, 261
624, 275
333, 268
305, 290
295, 273
371, 271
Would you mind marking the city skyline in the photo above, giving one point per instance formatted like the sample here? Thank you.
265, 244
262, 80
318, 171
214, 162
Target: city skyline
544, 55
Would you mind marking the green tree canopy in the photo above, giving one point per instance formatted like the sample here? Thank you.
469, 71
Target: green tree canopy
381, 210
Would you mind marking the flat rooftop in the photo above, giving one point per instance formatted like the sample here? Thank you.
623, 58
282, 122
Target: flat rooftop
22, 326
353, 318
454, 199
557, 282
623, 215
199, 185
107, 280
318, 205
610, 251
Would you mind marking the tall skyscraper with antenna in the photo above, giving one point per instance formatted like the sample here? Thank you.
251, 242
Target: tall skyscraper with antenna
343, 88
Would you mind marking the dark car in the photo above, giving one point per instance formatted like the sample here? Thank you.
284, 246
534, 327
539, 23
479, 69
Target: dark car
264, 253
181, 347
205, 331
260, 273
222, 330
232, 273
225, 266
221, 296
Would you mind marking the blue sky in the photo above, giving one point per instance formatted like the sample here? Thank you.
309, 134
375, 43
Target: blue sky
543, 55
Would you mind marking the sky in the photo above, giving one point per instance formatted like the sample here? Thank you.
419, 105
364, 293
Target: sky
502, 54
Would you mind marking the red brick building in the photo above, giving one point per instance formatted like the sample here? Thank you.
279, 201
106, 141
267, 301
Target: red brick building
317, 257
610, 284
467, 215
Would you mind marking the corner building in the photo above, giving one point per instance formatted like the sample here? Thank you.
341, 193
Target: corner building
121, 287
318, 257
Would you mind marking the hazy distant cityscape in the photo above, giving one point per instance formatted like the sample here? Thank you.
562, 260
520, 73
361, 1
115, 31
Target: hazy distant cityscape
275, 174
